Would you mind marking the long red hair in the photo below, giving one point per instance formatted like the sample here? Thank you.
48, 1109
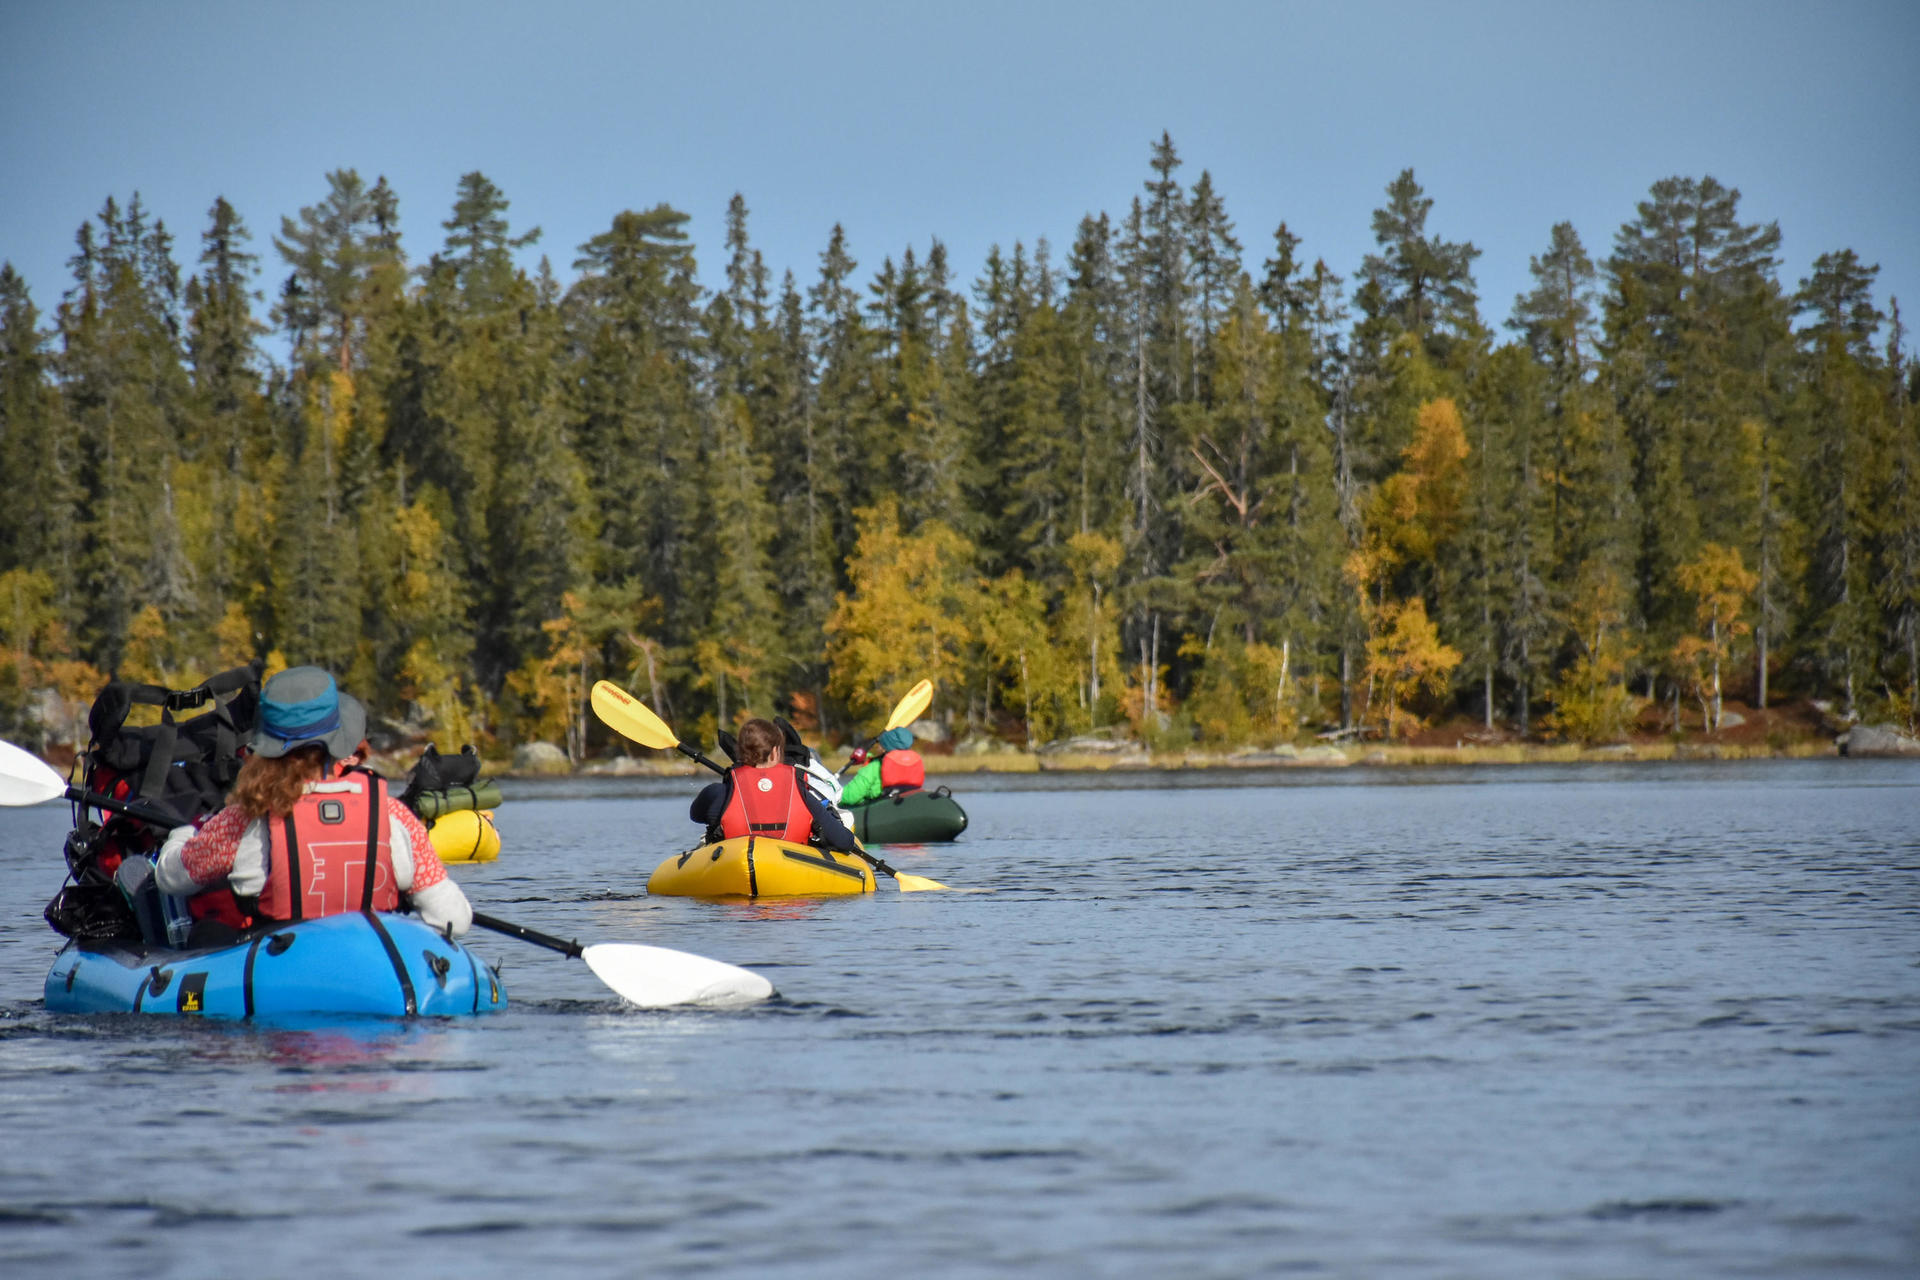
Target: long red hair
269, 786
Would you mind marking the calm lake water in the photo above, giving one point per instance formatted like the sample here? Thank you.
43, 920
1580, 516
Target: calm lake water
1603, 1021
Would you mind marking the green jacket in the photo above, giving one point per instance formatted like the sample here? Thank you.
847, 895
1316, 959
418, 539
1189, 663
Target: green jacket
863, 787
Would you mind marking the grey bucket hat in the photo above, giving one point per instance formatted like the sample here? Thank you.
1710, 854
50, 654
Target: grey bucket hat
302, 705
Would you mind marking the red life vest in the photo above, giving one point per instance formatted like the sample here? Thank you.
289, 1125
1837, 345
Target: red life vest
767, 802
904, 770
333, 853
219, 904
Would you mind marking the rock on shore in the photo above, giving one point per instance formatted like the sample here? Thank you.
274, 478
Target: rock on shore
1877, 740
540, 757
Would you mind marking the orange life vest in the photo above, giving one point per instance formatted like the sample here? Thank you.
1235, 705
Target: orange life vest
333, 853
902, 770
767, 802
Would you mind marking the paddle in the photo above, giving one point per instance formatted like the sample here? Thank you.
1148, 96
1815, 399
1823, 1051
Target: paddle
906, 711
26, 779
631, 718
651, 977
626, 715
910, 708
907, 883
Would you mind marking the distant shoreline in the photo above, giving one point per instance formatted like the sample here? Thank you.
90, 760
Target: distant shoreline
943, 768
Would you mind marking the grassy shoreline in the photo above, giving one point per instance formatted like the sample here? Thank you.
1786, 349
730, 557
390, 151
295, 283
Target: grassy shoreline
1373, 754
1317, 756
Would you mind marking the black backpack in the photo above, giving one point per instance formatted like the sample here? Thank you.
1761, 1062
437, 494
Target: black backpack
436, 772
179, 768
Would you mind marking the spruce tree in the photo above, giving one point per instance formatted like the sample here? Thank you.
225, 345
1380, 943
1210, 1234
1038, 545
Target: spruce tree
38, 527
1556, 321
1215, 257
1898, 578
1841, 415
230, 423
1422, 284
637, 410
1693, 322
126, 391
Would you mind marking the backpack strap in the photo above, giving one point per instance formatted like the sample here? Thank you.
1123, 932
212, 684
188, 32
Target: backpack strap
228, 730
153, 782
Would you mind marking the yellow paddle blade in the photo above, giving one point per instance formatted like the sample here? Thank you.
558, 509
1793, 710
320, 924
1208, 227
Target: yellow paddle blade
910, 707
629, 717
915, 884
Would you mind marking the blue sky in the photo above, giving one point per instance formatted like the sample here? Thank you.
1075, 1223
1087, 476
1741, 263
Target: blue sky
983, 123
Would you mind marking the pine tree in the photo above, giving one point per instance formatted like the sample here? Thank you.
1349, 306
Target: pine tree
1040, 468
229, 424
1693, 321
1095, 331
1556, 321
806, 487
922, 404
1841, 410
1284, 294
844, 443
1424, 284
737, 650
536, 516
126, 392
38, 528
1161, 244
1215, 258
636, 409
332, 252
1899, 574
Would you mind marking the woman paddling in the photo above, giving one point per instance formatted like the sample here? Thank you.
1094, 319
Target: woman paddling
307, 831
761, 796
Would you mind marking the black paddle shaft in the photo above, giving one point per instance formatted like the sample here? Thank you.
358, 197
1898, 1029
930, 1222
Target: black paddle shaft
525, 934
877, 864
139, 813
694, 754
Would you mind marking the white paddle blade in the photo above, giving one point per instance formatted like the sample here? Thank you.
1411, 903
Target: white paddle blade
658, 977
26, 779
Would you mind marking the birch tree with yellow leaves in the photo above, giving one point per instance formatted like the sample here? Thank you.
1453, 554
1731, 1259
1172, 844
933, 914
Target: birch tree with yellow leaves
1721, 586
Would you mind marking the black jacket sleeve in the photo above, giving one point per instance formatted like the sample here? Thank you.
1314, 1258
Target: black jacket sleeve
710, 803
826, 823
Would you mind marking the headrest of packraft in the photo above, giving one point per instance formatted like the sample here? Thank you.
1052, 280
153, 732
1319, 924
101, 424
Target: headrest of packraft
730, 745
796, 751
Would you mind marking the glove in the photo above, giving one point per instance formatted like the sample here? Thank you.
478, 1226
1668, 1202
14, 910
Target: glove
859, 756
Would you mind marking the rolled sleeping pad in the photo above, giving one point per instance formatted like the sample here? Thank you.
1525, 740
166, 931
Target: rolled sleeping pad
484, 794
465, 835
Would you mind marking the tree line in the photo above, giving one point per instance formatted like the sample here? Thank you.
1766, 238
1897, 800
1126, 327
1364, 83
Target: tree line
1166, 484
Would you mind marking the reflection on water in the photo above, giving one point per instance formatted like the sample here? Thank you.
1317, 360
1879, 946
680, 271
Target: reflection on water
1517, 1022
